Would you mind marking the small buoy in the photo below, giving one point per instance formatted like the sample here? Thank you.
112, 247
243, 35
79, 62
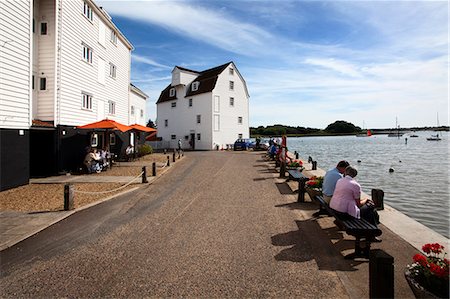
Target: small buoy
391, 169
400, 161
359, 161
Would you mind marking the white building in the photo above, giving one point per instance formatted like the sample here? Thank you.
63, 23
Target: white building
138, 101
63, 64
206, 109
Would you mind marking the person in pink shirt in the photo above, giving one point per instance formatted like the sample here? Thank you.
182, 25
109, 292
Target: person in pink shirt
347, 198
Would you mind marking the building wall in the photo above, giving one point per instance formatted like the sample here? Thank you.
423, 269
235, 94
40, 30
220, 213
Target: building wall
182, 120
15, 66
14, 158
77, 76
138, 102
229, 128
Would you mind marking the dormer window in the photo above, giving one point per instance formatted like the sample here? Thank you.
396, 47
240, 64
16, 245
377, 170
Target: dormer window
231, 85
195, 86
172, 92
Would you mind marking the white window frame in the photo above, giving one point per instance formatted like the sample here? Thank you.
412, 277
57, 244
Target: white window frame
94, 140
172, 92
112, 139
132, 110
87, 12
199, 137
42, 80
42, 32
231, 85
142, 112
166, 123
112, 70
173, 136
87, 53
113, 38
195, 85
86, 101
173, 104
231, 102
111, 107
199, 118
190, 103
240, 119
240, 136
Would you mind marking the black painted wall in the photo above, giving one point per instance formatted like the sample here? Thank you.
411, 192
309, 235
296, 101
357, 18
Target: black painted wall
14, 158
43, 154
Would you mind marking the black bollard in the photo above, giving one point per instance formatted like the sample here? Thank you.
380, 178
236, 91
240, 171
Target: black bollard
154, 169
173, 157
144, 175
168, 160
310, 159
296, 155
378, 198
68, 197
381, 274
314, 165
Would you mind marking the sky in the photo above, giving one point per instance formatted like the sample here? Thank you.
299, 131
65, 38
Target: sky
306, 63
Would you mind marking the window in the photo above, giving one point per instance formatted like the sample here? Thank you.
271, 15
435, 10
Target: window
239, 135
240, 120
195, 86
112, 70
190, 102
172, 92
43, 83
232, 102
216, 122
174, 104
199, 118
113, 37
112, 139
94, 139
87, 11
231, 71
173, 137
43, 28
216, 104
142, 112
231, 85
111, 107
132, 110
198, 136
87, 53
34, 25
32, 81
86, 101
166, 123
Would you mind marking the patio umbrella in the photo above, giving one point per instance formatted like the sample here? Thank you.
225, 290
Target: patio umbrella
142, 128
106, 124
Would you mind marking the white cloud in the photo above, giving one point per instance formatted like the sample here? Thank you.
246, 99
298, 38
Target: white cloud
147, 60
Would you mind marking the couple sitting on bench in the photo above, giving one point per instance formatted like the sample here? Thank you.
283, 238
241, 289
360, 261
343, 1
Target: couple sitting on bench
346, 201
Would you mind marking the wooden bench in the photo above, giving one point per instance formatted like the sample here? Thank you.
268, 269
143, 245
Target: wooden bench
298, 176
363, 231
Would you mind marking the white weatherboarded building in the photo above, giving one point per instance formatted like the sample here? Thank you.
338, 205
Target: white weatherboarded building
206, 110
63, 64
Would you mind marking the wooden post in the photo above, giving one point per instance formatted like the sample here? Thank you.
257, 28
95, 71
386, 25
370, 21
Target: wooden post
168, 160
282, 169
144, 175
68, 197
378, 198
154, 169
381, 275
173, 156
301, 190
314, 165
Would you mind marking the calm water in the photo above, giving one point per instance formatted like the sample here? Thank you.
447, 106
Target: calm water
419, 186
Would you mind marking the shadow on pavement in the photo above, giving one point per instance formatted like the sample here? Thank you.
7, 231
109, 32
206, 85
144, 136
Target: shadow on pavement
284, 188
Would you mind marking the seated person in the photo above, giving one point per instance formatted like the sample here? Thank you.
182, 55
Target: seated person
91, 161
129, 152
346, 199
330, 179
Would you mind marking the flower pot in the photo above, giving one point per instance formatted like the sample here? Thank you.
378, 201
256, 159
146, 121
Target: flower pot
418, 290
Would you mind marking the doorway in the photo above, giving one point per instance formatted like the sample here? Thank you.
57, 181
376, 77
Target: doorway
192, 141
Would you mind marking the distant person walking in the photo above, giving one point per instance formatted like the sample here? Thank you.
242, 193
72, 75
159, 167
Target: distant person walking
179, 145
330, 179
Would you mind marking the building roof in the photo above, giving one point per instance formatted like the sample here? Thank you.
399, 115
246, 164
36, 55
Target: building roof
136, 90
207, 80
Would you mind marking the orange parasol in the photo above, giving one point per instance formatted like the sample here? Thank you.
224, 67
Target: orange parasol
106, 124
142, 128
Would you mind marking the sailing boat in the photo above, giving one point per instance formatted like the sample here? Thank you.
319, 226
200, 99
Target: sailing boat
367, 134
435, 137
396, 134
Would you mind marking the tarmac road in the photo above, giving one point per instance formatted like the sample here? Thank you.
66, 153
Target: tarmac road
215, 225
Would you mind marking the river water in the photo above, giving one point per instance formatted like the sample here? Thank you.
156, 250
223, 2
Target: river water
419, 185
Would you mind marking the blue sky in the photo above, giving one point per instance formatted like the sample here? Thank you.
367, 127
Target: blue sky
306, 63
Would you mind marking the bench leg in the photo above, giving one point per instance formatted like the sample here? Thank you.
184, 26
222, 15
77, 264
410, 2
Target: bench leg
363, 252
301, 191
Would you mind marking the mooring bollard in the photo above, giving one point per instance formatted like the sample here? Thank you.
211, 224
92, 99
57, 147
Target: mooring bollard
314, 165
296, 155
378, 198
310, 159
168, 160
173, 157
68, 197
381, 274
144, 175
154, 169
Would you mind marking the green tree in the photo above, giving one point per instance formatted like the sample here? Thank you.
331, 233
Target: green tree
341, 126
151, 124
